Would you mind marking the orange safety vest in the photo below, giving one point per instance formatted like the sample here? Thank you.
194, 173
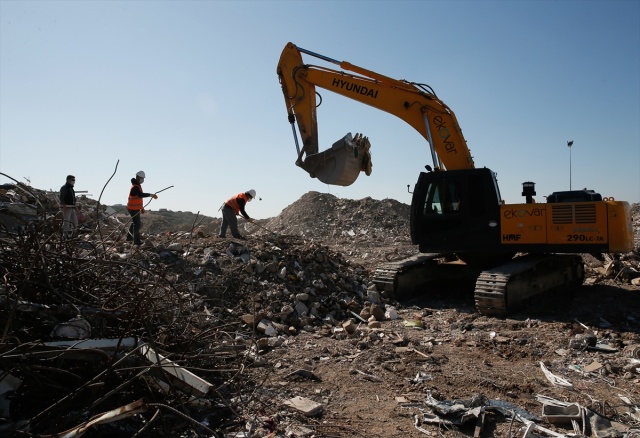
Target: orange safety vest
233, 202
134, 202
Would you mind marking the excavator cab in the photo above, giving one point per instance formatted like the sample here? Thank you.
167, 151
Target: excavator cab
456, 210
342, 163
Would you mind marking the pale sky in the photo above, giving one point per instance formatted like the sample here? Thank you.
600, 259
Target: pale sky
187, 91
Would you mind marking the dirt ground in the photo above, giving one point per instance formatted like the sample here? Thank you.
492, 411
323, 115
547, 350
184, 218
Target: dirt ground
373, 380
373, 383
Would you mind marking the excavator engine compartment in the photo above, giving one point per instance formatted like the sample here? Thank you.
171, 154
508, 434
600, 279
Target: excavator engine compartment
574, 196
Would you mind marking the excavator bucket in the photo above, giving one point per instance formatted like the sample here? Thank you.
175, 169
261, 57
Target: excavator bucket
341, 164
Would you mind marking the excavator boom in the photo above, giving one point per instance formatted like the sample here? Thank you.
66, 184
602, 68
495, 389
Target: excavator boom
416, 104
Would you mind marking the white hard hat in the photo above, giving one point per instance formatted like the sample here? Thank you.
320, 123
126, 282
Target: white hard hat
251, 193
141, 174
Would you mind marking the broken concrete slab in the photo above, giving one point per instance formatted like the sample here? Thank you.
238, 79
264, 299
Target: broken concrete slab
304, 405
183, 379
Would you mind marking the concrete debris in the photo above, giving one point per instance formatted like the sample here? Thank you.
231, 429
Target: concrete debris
182, 378
582, 341
584, 421
304, 405
192, 300
354, 224
76, 328
561, 414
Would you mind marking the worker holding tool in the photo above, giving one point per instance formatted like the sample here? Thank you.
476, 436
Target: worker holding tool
233, 207
135, 207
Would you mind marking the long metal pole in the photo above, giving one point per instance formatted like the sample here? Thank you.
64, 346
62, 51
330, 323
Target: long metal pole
570, 143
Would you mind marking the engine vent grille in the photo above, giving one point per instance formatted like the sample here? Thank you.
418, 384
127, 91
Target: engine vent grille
568, 214
585, 213
562, 214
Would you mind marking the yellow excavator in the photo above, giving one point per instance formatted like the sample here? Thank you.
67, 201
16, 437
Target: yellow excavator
516, 251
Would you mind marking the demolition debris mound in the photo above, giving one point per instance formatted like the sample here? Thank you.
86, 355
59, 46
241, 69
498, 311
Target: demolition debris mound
367, 230
324, 216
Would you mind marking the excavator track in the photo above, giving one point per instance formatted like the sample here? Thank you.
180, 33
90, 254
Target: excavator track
501, 290
399, 278
404, 278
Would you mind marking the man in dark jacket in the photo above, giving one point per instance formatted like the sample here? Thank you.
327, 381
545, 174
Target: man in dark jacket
135, 207
68, 206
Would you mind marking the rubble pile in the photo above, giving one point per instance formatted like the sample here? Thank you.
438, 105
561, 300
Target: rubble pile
165, 221
21, 205
616, 268
92, 325
176, 337
367, 229
87, 331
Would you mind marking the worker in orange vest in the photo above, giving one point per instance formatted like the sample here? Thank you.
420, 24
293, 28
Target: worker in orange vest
135, 207
233, 207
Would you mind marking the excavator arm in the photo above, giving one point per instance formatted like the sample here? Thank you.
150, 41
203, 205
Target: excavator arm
416, 104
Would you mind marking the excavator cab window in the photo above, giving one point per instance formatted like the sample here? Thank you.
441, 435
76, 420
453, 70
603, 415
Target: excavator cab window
442, 198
